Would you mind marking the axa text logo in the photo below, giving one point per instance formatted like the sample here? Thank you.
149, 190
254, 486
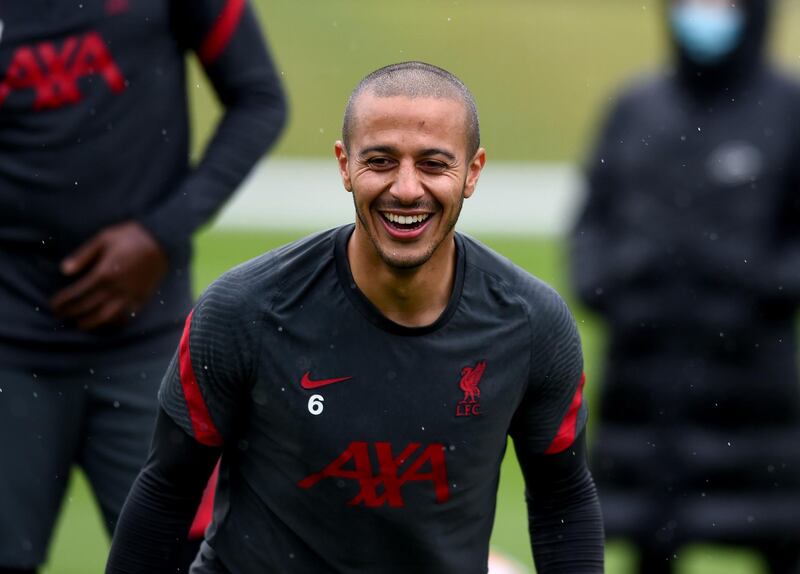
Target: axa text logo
53, 71
413, 464
470, 379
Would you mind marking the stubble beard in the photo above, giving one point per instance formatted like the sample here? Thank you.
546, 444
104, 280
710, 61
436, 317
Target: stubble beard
399, 263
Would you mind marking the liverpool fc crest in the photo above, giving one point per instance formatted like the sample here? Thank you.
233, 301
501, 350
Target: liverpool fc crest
470, 379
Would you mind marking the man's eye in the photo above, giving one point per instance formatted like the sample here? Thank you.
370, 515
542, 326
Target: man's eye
433, 166
379, 162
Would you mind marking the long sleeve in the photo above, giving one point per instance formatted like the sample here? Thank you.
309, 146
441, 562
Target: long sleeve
564, 518
606, 259
162, 503
227, 39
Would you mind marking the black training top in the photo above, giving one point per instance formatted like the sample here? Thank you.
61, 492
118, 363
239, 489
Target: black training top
353, 444
94, 131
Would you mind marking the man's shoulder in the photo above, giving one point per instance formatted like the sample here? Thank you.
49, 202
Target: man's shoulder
254, 283
510, 282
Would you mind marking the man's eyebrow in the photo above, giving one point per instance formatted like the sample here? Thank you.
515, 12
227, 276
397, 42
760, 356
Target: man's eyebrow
377, 149
392, 151
438, 151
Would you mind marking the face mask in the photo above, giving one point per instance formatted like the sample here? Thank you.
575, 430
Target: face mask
706, 33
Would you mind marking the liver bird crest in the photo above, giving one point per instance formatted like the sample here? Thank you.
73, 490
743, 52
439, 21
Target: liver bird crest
470, 377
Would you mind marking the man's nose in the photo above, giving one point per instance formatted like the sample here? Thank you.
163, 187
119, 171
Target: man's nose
407, 187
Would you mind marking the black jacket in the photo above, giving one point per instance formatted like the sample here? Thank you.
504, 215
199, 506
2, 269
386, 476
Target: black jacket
689, 248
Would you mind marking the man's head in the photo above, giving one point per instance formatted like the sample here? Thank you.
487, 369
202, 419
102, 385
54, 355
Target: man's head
410, 155
415, 80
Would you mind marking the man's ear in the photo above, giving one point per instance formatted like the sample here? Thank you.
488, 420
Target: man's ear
474, 171
341, 156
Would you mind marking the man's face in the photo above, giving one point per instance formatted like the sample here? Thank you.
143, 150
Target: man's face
408, 171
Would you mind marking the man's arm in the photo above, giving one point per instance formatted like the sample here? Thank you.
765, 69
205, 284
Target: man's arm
162, 502
203, 395
564, 517
119, 268
227, 39
548, 431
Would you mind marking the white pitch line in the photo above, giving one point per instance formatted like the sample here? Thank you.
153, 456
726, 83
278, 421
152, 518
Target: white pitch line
518, 198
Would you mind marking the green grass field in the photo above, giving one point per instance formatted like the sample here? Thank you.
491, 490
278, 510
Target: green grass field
80, 544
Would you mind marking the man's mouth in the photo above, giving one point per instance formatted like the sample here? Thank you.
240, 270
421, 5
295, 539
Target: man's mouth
405, 222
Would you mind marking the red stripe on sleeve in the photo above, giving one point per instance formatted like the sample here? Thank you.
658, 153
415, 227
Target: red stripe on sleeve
204, 430
205, 511
567, 430
221, 33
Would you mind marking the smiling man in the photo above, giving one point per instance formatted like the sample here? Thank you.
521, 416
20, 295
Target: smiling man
361, 383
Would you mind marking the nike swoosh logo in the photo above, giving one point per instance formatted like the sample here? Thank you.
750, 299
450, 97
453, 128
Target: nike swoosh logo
307, 383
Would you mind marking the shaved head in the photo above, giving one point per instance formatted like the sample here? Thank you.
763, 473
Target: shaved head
415, 80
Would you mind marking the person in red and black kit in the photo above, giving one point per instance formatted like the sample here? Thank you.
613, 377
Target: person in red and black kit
98, 204
361, 384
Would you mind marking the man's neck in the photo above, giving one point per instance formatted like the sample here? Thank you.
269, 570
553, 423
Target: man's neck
410, 297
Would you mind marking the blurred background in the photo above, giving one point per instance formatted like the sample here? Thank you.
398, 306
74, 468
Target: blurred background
542, 71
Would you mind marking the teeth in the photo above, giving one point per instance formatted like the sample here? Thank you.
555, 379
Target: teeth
406, 219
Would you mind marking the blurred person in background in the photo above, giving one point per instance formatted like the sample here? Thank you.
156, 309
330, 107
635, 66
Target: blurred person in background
689, 248
98, 205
